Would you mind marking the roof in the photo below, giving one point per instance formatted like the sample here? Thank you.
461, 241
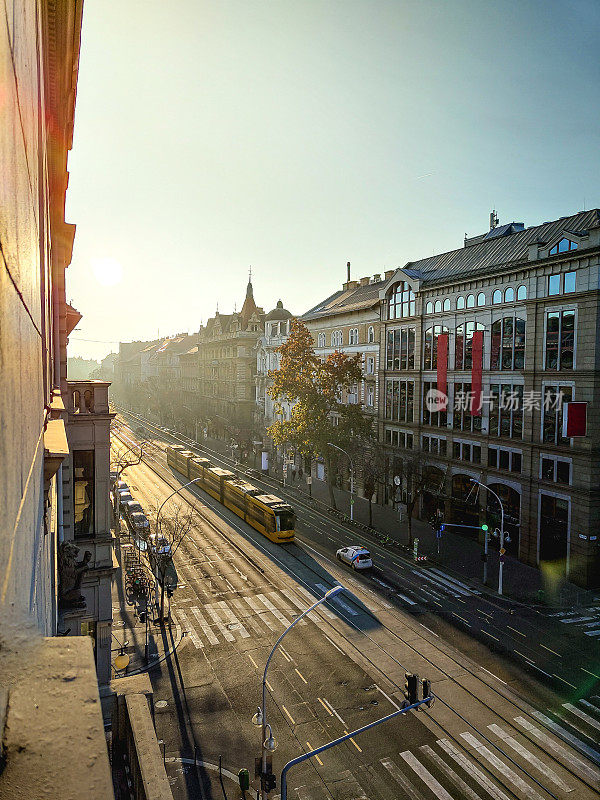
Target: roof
359, 297
494, 254
279, 312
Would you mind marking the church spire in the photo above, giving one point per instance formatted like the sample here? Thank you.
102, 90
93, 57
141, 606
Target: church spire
249, 290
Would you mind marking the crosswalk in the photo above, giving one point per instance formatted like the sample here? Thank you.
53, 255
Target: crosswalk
586, 619
468, 767
437, 584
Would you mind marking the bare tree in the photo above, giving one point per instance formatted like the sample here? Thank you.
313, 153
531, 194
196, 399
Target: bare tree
375, 471
124, 456
417, 476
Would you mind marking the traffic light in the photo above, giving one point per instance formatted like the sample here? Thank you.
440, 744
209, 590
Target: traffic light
426, 684
485, 527
270, 782
244, 779
411, 688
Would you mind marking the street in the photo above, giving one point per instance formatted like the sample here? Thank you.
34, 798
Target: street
488, 734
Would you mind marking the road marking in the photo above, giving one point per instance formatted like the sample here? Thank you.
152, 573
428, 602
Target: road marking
505, 770
288, 714
253, 661
440, 583
189, 629
426, 776
233, 620
334, 644
576, 619
313, 600
275, 597
204, 625
400, 778
337, 600
590, 673
406, 599
510, 628
248, 618
494, 676
301, 675
519, 653
262, 615
554, 675
310, 747
284, 654
533, 760
293, 599
449, 773
577, 764
469, 767
269, 687
489, 634
325, 707
428, 630
582, 715
333, 711
550, 651
591, 706
213, 613
354, 743
387, 697
454, 580
275, 611
592, 633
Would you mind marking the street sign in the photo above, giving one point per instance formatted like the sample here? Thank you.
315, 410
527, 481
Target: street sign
502, 551
309, 480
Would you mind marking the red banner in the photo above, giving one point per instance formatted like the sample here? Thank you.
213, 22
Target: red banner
476, 370
574, 419
442, 369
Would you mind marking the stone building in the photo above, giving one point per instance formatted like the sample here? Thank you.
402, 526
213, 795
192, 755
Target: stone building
507, 326
276, 331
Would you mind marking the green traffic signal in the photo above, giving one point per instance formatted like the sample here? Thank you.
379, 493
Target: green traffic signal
484, 528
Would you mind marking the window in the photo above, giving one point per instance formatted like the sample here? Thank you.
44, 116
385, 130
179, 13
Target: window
84, 492
509, 460
399, 400
321, 340
401, 301
522, 293
447, 304
560, 339
563, 247
460, 303
435, 445
563, 283
430, 417
463, 344
399, 438
353, 394
400, 348
508, 344
430, 343
553, 398
353, 336
467, 451
371, 334
463, 419
506, 410
471, 301
370, 365
509, 295
481, 299
438, 306
497, 297
336, 339
557, 470
429, 308
370, 396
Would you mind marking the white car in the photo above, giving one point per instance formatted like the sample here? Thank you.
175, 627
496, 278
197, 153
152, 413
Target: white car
356, 556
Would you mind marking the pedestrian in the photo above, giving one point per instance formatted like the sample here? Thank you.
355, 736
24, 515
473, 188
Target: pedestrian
300, 474
293, 474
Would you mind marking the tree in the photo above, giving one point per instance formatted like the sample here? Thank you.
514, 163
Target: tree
375, 473
316, 387
123, 457
416, 476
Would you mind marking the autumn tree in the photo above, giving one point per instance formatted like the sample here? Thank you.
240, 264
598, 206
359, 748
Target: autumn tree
315, 387
375, 472
416, 477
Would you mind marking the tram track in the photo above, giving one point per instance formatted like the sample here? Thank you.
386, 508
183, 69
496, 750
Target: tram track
508, 696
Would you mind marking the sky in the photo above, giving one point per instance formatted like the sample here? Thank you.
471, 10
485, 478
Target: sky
293, 136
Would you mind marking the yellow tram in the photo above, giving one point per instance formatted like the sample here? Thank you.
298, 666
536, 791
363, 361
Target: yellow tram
266, 513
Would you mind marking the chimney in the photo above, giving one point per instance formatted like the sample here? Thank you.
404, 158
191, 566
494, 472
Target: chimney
376, 278
389, 273
348, 267
364, 281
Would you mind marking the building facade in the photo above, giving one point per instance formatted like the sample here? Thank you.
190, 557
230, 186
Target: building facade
276, 332
507, 328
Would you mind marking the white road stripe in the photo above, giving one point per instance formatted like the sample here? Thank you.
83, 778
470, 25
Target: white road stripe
187, 626
592, 633
262, 615
277, 599
275, 611
218, 622
334, 644
450, 774
564, 734
400, 778
469, 767
233, 620
502, 768
582, 715
454, 580
387, 697
426, 776
591, 706
248, 618
533, 760
406, 599
204, 625
576, 619
333, 711
576, 763
290, 596
437, 582
314, 599
337, 600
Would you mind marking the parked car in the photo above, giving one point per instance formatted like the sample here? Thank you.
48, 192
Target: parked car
140, 524
131, 507
357, 556
124, 497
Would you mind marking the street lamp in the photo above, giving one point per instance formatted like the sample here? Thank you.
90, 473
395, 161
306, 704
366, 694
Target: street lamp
331, 444
501, 565
268, 742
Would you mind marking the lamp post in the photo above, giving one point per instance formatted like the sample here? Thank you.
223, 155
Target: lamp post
331, 444
269, 743
501, 565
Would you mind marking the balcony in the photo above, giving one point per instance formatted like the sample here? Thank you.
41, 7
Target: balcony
87, 397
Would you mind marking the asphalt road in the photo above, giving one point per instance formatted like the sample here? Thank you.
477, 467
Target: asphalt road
490, 732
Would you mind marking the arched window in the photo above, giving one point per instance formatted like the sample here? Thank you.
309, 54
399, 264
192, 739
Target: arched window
471, 301
429, 308
522, 293
76, 401
438, 306
333, 338
88, 399
401, 301
563, 246
371, 334
447, 304
430, 345
497, 297
481, 299
353, 336
463, 344
460, 303
509, 295
508, 344
321, 340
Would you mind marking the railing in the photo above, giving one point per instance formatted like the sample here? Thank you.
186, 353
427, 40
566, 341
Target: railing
88, 397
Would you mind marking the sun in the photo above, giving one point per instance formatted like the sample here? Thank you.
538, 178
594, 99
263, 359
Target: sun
108, 271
